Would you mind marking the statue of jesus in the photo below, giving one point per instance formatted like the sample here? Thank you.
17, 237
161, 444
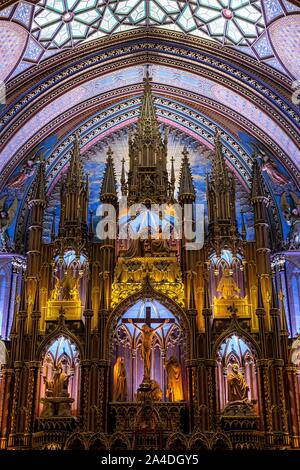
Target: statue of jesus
147, 337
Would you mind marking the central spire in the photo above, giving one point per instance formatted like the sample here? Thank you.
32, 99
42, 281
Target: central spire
148, 179
148, 126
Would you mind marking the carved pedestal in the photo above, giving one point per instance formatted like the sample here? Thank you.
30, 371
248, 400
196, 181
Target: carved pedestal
241, 422
60, 406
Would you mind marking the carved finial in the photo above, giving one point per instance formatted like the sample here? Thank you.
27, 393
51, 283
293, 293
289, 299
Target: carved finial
123, 179
258, 186
186, 186
109, 184
244, 229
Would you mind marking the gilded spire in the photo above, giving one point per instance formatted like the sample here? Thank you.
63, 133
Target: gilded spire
219, 165
244, 229
186, 186
148, 127
109, 185
74, 176
258, 187
39, 193
123, 179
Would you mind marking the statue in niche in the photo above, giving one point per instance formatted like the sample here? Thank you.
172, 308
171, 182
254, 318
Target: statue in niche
57, 401
228, 287
60, 382
237, 385
159, 245
70, 286
6, 219
57, 386
174, 382
291, 213
120, 380
147, 337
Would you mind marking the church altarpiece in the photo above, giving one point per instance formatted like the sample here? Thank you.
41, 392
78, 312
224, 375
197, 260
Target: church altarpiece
142, 344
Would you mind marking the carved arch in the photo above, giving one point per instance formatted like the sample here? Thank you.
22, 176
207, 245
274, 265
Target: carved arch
149, 293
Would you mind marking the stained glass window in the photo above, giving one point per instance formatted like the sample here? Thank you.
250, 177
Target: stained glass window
60, 22
57, 24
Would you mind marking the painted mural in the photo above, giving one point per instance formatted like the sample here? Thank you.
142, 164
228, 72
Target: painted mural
16, 189
282, 188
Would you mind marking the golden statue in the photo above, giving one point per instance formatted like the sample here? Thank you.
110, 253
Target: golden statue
55, 293
70, 286
174, 384
237, 385
147, 337
159, 245
120, 380
60, 382
155, 390
228, 287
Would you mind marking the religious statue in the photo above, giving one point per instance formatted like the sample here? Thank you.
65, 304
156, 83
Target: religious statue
120, 380
159, 245
6, 219
58, 385
60, 382
155, 390
228, 287
174, 384
290, 208
237, 385
70, 286
147, 337
55, 293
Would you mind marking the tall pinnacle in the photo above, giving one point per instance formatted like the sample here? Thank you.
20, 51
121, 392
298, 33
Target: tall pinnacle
186, 186
221, 175
75, 170
40, 183
108, 188
147, 122
258, 187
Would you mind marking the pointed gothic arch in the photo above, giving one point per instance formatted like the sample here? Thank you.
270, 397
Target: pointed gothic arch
148, 293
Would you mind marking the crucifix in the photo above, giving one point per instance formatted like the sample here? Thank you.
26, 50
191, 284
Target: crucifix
147, 336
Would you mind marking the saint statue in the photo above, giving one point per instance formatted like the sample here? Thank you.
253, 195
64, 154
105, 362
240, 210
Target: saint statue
237, 385
228, 287
174, 384
60, 382
159, 245
120, 380
70, 286
147, 337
